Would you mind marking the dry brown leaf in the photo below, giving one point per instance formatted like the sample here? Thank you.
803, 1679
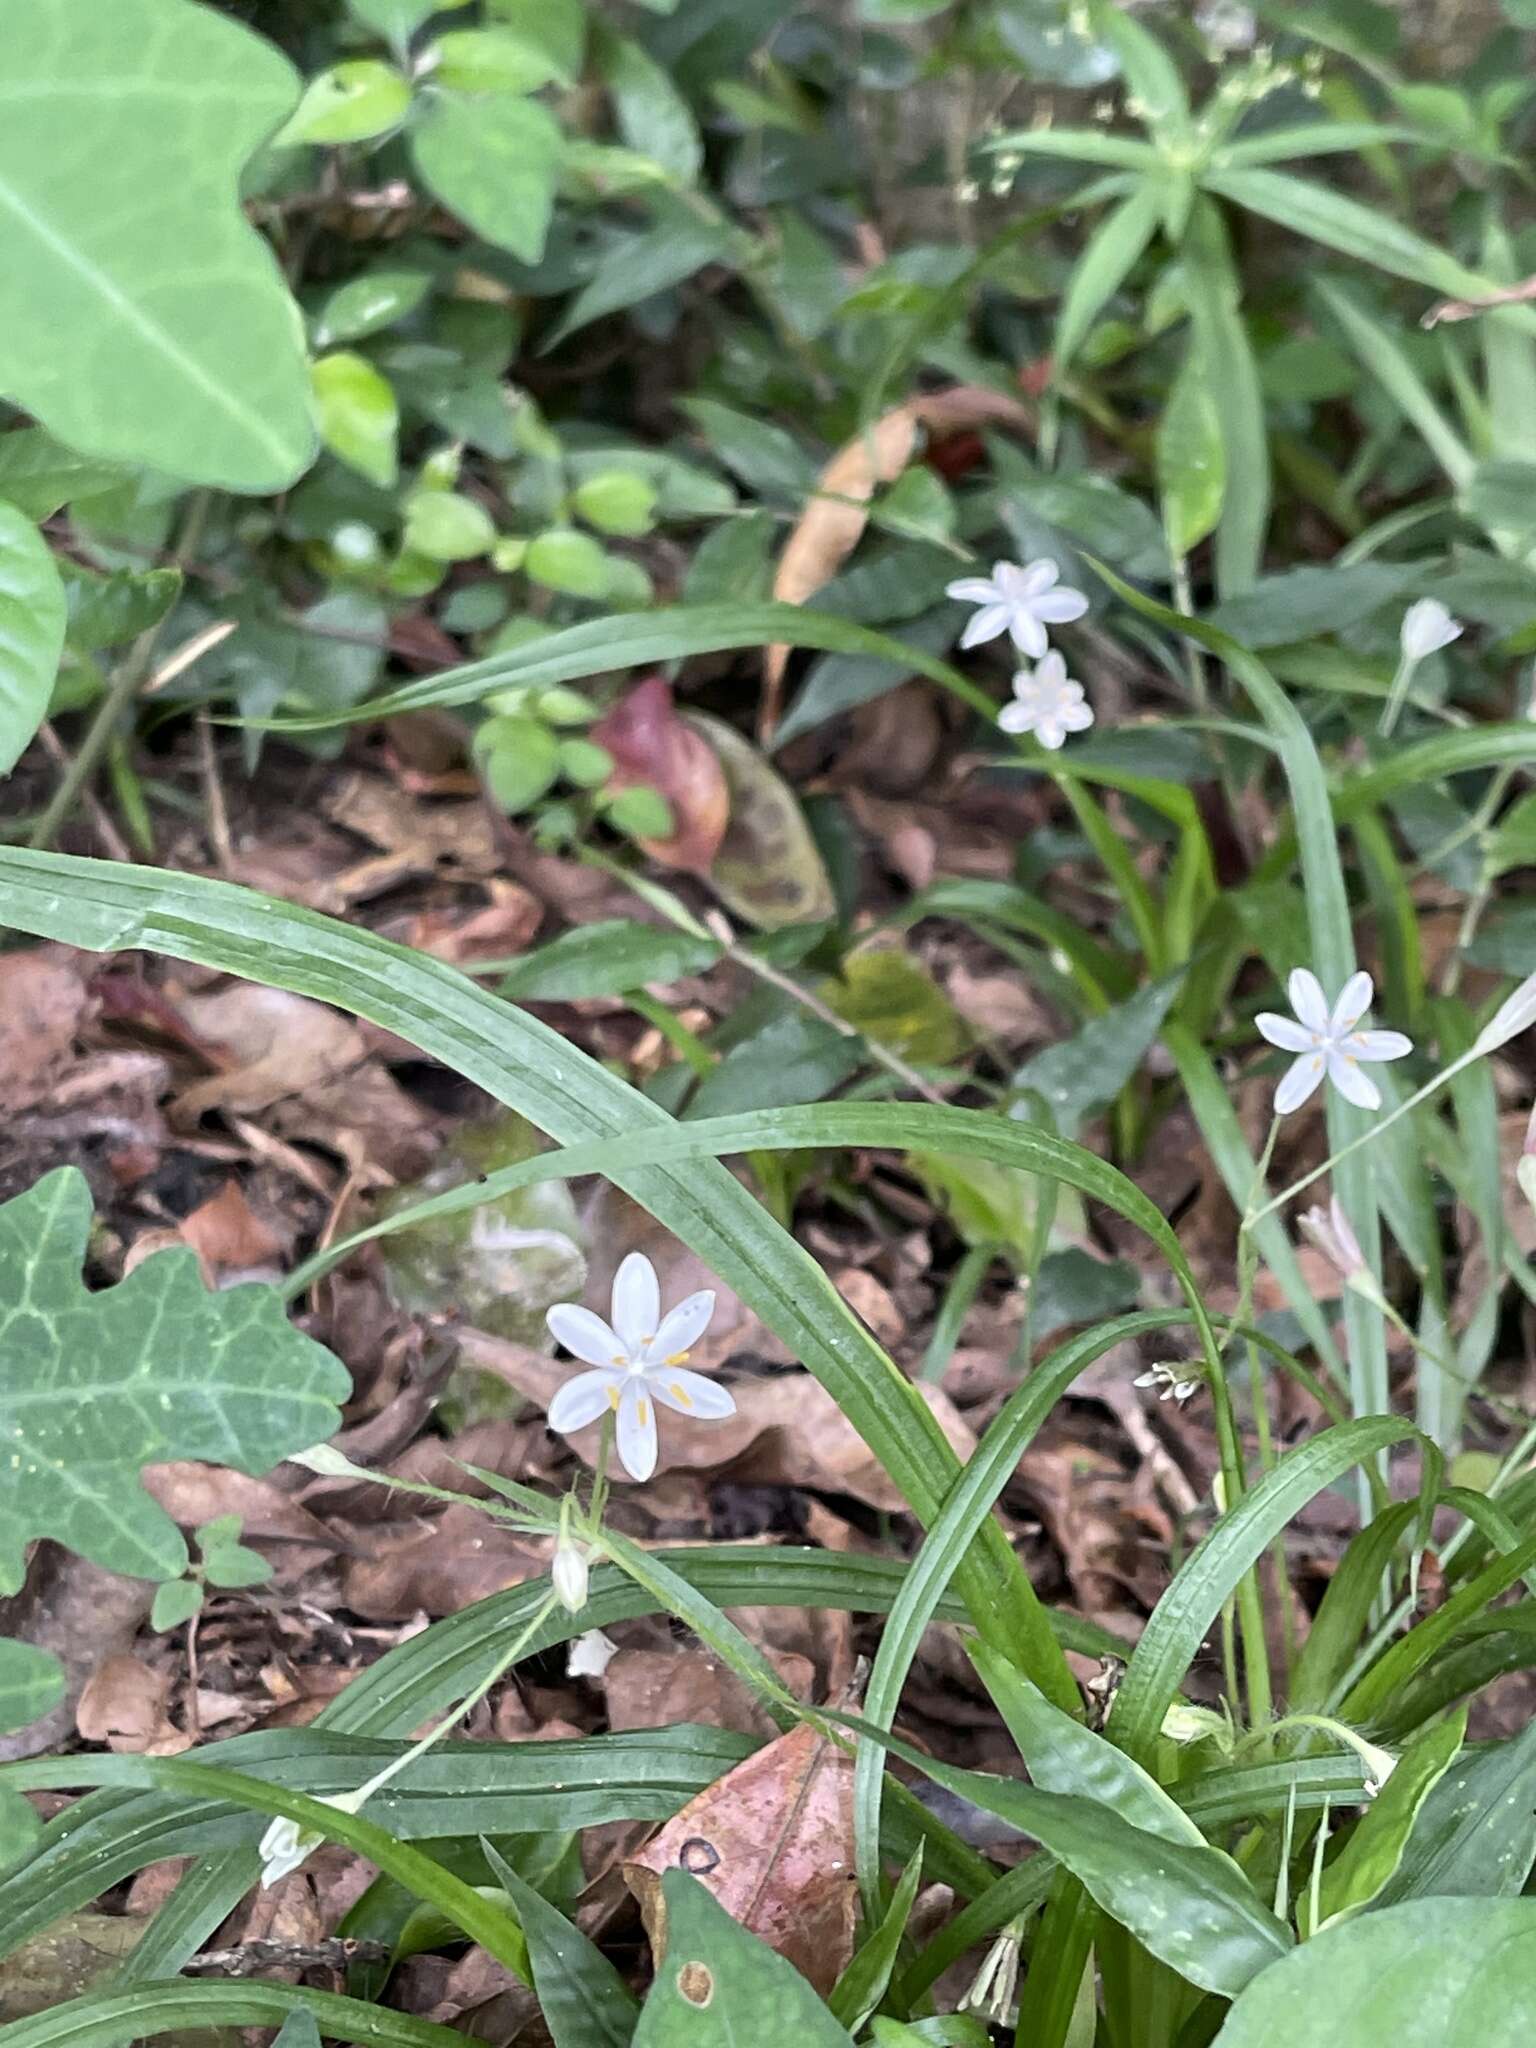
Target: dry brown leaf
498, 928
773, 1841
192, 1494
274, 1045
124, 1704
437, 1567
414, 837
665, 1688
767, 868
229, 1237
834, 520
43, 1002
653, 748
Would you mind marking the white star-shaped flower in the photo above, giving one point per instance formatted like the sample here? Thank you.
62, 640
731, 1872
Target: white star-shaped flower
639, 1360
1047, 702
1328, 1042
1021, 601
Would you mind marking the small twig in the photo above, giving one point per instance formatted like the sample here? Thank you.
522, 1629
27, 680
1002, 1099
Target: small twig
1467, 309
113, 840
250, 1958
188, 652
213, 796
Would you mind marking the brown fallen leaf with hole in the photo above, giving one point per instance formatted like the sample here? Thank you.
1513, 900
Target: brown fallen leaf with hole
773, 1841
124, 1706
834, 520
653, 748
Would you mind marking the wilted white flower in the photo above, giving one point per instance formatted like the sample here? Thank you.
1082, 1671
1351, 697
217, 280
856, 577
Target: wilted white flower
639, 1360
590, 1655
1329, 1229
570, 1575
1184, 1723
286, 1844
1226, 25
1328, 1042
1427, 627
1047, 702
1167, 1380
1021, 601
1515, 1014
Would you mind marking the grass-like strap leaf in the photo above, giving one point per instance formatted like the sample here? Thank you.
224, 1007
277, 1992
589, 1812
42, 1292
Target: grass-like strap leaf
532, 1069
185, 2009
1436, 1973
584, 2001
98, 1385
31, 631
1191, 1605
646, 640
156, 330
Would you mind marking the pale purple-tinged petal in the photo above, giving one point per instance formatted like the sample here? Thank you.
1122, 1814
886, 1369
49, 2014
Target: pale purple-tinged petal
585, 1335
1036, 576
972, 590
682, 1327
635, 1437
1354, 1001
986, 624
1059, 607
1017, 718
1353, 1085
636, 1301
1029, 636
1285, 1032
583, 1400
1050, 733
1075, 717
1050, 672
1298, 1082
1308, 1000
690, 1393
1378, 1045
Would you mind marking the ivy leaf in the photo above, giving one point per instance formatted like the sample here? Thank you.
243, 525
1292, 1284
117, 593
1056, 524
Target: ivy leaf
99, 1385
493, 161
30, 1683
31, 631
155, 329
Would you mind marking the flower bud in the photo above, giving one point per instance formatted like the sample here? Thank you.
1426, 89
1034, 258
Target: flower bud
570, 1574
1515, 1014
1427, 627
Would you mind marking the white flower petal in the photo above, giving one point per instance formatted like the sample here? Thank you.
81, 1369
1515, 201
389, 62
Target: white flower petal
1051, 670
1378, 1045
1076, 717
681, 1327
583, 1400
585, 1335
1354, 1001
1035, 577
691, 1393
635, 1437
986, 624
1427, 627
284, 1848
1029, 636
636, 1301
1298, 1082
1017, 718
1307, 999
972, 590
1050, 733
1354, 1086
1059, 607
1285, 1032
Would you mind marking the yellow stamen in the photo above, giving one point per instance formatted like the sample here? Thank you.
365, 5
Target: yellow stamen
678, 1358
681, 1393
643, 1411
613, 1399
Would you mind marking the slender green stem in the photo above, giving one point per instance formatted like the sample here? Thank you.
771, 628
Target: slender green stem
1397, 695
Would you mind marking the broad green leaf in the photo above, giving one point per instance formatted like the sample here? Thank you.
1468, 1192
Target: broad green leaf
175, 1604
31, 632
1086, 1072
107, 611
446, 526
520, 760
584, 2001
1475, 1835
1376, 1845
30, 1683
193, 2011
359, 420
558, 27
617, 501
1436, 1973
351, 102
1191, 461
1299, 603
652, 114
643, 264
720, 1987
1500, 495
168, 285
39, 474
489, 60
99, 1385
567, 560
890, 996
368, 304
493, 160
606, 959
398, 19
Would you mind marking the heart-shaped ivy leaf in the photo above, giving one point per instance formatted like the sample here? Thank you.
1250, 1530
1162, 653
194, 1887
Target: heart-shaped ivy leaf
96, 1386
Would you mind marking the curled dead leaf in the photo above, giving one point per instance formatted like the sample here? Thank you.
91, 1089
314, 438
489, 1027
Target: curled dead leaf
773, 1841
767, 868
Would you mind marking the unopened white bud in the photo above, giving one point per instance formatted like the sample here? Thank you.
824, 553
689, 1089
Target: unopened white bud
1515, 1014
570, 1575
1427, 627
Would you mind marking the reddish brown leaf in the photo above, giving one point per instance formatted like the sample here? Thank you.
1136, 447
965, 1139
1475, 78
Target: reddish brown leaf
652, 747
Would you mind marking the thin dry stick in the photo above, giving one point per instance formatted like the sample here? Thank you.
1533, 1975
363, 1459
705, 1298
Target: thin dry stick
113, 840
213, 796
